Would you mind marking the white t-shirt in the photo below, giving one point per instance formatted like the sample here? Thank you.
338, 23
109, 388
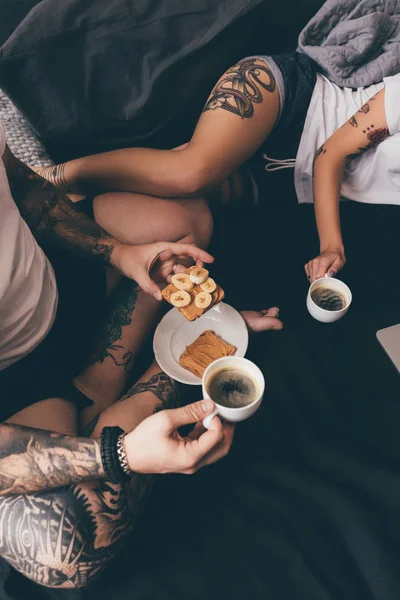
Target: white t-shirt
374, 177
28, 290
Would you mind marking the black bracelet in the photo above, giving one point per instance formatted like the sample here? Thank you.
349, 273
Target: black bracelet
109, 455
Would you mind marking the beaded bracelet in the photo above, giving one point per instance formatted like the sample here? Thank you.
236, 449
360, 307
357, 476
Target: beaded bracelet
122, 456
114, 459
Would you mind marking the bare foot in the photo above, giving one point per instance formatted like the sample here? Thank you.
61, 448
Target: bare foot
262, 320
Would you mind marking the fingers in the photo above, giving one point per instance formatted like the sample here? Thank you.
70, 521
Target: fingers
336, 267
270, 320
318, 267
180, 268
220, 451
322, 265
146, 283
176, 268
270, 323
198, 446
307, 269
192, 413
270, 312
198, 430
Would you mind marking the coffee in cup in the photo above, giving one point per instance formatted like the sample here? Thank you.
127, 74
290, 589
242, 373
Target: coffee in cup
328, 299
236, 386
233, 388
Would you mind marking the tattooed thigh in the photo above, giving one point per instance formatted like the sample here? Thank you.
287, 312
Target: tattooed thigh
65, 538
241, 87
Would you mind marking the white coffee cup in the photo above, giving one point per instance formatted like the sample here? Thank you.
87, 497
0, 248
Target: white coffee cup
243, 412
321, 314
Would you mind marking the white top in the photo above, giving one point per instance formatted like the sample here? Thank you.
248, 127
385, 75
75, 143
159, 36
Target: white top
28, 290
374, 177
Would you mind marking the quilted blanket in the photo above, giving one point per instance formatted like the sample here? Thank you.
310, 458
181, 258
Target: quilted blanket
355, 42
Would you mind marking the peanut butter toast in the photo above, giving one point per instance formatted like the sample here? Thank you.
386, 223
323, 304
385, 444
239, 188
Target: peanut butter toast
191, 293
203, 351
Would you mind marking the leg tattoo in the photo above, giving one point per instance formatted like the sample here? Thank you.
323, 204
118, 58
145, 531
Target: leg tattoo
239, 89
64, 538
123, 303
162, 386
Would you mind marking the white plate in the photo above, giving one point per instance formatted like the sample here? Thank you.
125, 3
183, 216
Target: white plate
175, 332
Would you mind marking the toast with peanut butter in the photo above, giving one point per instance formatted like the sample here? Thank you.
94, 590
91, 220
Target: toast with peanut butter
193, 299
203, 351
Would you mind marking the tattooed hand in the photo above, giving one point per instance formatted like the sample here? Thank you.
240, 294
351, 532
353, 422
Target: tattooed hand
329, 262
155, 446
159, 259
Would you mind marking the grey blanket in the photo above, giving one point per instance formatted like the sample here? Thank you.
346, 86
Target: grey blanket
355, 42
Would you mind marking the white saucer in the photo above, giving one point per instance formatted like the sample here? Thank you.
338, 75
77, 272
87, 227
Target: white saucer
175, 332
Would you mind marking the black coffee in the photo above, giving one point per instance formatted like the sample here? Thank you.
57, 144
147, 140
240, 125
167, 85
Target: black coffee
328, 298
233, 388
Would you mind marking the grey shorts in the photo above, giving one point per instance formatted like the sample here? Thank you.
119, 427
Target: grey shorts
295, 76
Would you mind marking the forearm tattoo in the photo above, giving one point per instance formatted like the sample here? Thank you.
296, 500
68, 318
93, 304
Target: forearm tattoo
240, 88
110, 343
34, 460
52, 216
161, 386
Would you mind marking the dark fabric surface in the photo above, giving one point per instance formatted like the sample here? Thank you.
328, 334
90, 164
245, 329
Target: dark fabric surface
92, 76
12, 14
306, 505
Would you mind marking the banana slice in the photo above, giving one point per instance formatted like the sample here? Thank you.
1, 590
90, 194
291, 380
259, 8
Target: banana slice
180, 299
203, 300
182, 282
209, 285
198, 275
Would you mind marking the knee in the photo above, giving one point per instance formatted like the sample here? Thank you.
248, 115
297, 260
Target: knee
193, 174
200, 222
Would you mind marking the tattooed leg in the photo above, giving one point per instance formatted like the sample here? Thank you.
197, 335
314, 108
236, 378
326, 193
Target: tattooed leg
138, 220
66, 537
239, 89
153, 391
132, 317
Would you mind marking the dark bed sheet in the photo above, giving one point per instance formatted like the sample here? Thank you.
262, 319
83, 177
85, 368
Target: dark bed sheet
93, 76
307, 504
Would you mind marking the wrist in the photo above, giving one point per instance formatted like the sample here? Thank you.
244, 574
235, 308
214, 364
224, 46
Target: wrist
131, 452
332, 246
71, 177
113, 455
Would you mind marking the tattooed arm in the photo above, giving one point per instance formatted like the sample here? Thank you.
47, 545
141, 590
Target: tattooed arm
363, 131
238, 116
33, 460
53, 217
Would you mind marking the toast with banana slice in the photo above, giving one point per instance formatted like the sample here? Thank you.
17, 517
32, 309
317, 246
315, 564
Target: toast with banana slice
193, 292
203, 351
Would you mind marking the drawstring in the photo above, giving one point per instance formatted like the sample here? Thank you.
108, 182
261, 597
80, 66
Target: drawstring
276, 165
